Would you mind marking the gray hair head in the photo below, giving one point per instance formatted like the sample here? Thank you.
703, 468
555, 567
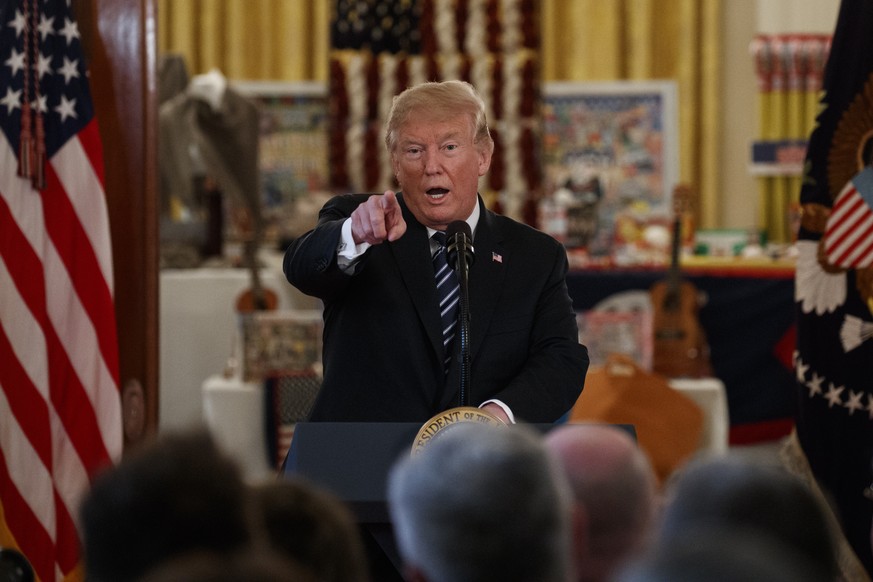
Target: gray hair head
482, 503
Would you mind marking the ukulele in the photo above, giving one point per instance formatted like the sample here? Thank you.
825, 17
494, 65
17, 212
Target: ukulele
679, 348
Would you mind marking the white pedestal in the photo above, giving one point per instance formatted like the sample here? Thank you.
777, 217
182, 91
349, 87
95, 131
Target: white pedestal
234, 412
710, 395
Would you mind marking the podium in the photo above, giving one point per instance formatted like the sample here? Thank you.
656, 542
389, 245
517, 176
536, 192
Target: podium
351, 460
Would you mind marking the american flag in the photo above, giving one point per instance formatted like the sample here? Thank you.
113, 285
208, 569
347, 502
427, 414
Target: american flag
849, 232
59, 396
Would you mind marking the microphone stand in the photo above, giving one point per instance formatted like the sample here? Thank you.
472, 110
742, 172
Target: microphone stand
464, 329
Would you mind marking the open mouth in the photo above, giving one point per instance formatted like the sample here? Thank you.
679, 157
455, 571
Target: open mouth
437, 192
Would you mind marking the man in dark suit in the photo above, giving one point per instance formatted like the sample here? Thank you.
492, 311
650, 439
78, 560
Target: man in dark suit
369, 260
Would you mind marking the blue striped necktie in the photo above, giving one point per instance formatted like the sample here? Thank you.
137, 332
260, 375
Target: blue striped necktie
448, 293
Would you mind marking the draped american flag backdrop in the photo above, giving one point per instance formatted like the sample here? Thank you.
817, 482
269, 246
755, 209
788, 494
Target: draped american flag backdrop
834, 281
381, 47
60, 413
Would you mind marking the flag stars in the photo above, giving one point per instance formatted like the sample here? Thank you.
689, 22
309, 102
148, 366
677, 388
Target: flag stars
46, 26
70, 30
854, 402
43, 65
814, 385
40, 104
70, 70
11, 101
19, 23
15, 61
834, 395
67, 108
801, 370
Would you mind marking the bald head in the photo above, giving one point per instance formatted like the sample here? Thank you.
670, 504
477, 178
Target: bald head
592, 452
614, 487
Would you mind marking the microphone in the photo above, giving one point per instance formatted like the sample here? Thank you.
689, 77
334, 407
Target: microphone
459, 252
459, 241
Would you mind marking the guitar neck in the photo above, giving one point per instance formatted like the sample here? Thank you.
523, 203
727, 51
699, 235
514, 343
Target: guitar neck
673, 275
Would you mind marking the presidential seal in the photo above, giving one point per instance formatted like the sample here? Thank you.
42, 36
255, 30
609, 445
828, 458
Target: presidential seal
445, 420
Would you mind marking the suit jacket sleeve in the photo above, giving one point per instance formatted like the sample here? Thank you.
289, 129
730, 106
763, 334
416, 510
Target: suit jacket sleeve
310, 262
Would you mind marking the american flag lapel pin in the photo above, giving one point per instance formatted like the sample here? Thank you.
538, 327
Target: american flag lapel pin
496, 257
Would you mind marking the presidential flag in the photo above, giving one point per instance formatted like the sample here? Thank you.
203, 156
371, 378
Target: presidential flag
60, 413
834, 281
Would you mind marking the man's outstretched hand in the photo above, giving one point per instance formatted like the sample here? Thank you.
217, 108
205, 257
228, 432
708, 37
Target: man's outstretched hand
378, 219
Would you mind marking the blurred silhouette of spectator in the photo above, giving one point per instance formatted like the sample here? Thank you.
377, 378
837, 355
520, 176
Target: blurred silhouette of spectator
311, 526
733, 492
614, 487
719, 554
482, 504
172, 496
249, 565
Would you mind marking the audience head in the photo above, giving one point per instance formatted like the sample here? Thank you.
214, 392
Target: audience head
14, 567
481, 504
251, 565
718, 554
614, 487
175, 495
311, 526
733, 492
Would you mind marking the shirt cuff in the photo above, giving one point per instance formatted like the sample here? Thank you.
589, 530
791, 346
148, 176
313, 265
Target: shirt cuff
347, 252
505, 408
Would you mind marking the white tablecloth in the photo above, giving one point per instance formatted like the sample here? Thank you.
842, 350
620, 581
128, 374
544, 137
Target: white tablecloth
234, 412
199, 330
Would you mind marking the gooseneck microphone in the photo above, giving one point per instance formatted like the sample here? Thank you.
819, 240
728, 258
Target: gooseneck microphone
459, 252
459, 243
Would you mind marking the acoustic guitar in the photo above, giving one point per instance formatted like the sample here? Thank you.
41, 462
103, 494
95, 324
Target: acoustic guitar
680, 348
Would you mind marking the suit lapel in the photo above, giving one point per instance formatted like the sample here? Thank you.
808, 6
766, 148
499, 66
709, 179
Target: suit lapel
412, 253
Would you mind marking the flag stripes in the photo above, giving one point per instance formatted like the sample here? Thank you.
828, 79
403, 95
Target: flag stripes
849, 233
59, 394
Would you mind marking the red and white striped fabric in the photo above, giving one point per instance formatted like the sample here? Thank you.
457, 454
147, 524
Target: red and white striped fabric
59, 395
848, 238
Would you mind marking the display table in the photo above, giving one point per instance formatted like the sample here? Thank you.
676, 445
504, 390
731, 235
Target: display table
199, 330
234, 411
749, 320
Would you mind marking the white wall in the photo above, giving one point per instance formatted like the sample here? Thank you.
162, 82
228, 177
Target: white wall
743, 19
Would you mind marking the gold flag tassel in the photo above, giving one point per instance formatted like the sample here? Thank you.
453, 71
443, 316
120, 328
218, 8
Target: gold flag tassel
37, 170
25, 145
37, 143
